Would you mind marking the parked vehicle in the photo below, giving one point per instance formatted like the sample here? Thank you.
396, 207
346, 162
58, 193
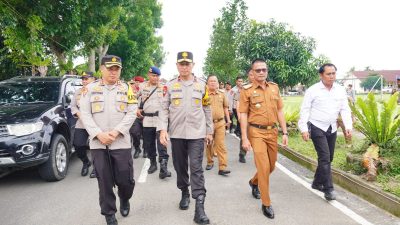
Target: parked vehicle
36, 125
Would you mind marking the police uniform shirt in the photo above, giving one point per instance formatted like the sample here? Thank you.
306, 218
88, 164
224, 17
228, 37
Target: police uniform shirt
108, 107
152, 105
184, 112
322, 106
218, 103
260, 104
75, 105
236, 98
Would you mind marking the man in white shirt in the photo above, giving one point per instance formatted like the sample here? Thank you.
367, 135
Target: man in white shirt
321, 106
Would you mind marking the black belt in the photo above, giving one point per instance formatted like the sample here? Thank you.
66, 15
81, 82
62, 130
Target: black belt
150, 114
217, 120
265, 127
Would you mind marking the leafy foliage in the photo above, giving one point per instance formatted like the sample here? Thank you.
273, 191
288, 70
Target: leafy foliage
292, 116
379, 123
369, 82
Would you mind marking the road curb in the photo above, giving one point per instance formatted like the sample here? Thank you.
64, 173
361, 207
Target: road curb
350, 182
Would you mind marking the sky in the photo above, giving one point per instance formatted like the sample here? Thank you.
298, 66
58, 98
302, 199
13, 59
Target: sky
352, 33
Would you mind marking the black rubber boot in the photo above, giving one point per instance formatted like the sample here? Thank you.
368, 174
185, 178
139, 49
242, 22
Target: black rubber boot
153, 166
200, 216
164, 169
185, 200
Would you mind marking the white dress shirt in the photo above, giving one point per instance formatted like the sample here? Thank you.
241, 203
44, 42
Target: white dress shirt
321, 107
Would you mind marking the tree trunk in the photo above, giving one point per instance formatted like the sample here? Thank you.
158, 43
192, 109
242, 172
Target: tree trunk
92, 61
102, 51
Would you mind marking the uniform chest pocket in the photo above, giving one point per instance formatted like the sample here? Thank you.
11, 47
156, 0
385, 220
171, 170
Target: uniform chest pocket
122, 103
197, 99
176, 99
97, 103
257, 103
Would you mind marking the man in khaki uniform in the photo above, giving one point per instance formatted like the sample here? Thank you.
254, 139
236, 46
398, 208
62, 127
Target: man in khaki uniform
219, 108
108, 111
150, 100
81, 135
186, 108
261, 108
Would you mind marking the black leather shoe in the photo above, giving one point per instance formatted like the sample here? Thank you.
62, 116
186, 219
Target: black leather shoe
164, 169
200, 216
242, 159
124, 207
223, 172
254, 190
318, 187
268, 211
137, 152
93, 174
330, 196
153, 166
144, 154
185, 200
209, 167
85, 168
111, 220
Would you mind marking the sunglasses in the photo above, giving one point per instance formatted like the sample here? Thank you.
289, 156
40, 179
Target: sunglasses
264, 70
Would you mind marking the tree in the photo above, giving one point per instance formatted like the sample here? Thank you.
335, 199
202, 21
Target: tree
289, 55
222, 59
370, 81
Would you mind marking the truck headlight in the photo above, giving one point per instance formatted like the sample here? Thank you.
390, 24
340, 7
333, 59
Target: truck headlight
24, 128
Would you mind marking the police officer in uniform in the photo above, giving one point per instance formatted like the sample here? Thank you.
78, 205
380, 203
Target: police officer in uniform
186, 108
81, 135
150, 100
136, 130
108, 110
219, 108
261, 108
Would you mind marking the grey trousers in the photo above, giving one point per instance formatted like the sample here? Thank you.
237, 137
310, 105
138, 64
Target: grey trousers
192, 149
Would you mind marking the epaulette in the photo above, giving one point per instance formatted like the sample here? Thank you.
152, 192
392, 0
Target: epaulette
202, 79
221, 90
247, 86
173, 79
270, 82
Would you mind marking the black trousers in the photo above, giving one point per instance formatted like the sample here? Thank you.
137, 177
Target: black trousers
122, 169
81, 144
324, 143
151, 141
237, 128
192, 149
136, 132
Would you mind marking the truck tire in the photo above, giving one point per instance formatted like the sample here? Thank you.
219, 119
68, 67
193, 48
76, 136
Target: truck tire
56, 167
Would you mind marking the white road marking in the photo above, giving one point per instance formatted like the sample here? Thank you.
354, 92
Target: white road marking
344, 209
143, 173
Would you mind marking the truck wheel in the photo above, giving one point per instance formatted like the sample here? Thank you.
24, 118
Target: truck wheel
56, 167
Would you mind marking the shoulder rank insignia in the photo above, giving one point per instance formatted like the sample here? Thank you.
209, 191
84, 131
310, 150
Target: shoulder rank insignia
221, 90
270, 82
247, 86
131, 96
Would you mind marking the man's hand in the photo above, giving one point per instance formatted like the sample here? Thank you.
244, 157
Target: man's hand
348, 133
105, 138
139, 113
306, 136
164, 137
209, 139
246, 144
114, 134
285, 140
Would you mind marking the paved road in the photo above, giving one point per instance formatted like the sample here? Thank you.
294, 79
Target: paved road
26, 199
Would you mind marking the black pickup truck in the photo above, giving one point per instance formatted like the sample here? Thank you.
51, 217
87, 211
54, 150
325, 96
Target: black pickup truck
36, 126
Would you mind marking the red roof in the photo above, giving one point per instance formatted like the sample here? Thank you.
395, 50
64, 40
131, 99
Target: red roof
388, 75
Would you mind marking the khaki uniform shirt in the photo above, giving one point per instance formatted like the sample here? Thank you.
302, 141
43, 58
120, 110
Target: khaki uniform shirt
260, 104
75, 105
218, 103
185, 110
152, 105
108, 107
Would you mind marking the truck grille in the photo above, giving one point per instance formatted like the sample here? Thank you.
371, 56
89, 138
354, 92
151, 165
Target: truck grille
3, 131
4, 153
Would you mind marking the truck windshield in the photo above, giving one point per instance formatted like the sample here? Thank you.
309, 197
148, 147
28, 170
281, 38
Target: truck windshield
29, 92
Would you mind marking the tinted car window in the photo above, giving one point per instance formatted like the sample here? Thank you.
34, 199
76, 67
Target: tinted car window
29, 92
